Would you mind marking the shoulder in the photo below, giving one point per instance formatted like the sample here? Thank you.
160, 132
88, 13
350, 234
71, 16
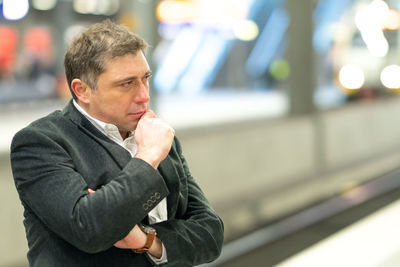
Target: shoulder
53, 121
49, 125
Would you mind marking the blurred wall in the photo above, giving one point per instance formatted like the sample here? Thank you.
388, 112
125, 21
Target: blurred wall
255, 172
13, 245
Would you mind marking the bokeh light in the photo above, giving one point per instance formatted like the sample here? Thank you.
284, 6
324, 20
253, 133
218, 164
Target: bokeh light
44, 4
380, 11
96, 7
246, 30
176, 11
390, 76
279, 69
15, 9
37, 40
351, 77
370, 20
8, 49
209, 12
393, 20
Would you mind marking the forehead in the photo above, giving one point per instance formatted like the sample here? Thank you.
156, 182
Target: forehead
129, 64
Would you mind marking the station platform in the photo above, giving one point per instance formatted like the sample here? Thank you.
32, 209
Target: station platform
363, 233
372, 241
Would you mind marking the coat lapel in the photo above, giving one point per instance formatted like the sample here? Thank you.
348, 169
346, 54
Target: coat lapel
118, 153
170, 175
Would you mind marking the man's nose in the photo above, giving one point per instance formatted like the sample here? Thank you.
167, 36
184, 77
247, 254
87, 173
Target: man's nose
142, 95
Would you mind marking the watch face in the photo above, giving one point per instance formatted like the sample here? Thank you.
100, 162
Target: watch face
148, 229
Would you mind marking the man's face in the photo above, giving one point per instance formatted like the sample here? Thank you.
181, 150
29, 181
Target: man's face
122, 94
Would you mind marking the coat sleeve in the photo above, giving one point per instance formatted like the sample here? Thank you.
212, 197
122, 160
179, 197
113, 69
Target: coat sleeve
197, 236
50, 186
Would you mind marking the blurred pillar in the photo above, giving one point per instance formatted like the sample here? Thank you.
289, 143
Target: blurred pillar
301, 57
302, 80
63, 21
144, 13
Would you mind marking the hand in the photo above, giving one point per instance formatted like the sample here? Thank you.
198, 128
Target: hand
135, 239
154, 139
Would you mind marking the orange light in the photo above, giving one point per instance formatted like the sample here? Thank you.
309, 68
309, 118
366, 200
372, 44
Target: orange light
37, 40
201, 11
393, 20
176, 11
8, 49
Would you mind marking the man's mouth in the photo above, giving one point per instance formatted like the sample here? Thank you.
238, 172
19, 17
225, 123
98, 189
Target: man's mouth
137, 114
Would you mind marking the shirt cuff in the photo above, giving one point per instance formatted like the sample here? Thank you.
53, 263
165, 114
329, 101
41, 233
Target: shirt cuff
159, 261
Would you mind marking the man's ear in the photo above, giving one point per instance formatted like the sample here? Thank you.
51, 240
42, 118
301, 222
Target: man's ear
81, 90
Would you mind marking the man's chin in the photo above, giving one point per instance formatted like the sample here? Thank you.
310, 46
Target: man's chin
132, 127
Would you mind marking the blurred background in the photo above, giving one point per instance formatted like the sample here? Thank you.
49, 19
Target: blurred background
281, 106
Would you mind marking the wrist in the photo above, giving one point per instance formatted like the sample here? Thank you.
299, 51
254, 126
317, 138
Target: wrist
150, 160
156, 248
150, 236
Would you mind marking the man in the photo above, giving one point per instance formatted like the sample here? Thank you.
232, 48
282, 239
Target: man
103, 182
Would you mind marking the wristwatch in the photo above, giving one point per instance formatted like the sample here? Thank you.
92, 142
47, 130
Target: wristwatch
151, 234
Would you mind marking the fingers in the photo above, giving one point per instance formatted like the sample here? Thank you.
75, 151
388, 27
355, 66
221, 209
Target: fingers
154, 138
91, 191
149, 114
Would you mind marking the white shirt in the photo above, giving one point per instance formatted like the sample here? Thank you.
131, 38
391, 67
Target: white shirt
159, 212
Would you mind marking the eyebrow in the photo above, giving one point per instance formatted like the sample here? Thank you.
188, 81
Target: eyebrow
130, 78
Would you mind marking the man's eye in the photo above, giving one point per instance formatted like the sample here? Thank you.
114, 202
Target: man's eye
127, 84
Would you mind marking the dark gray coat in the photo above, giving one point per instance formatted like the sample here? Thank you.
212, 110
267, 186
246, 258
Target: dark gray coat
54, 161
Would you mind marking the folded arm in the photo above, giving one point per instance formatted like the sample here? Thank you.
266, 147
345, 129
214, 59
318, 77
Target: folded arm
51, 187
137, 239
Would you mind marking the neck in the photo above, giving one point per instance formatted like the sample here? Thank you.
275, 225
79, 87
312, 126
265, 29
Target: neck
124, 135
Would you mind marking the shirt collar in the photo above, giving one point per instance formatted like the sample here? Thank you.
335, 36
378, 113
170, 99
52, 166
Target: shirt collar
106, 128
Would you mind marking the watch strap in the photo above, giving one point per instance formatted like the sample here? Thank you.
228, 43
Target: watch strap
149, 241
